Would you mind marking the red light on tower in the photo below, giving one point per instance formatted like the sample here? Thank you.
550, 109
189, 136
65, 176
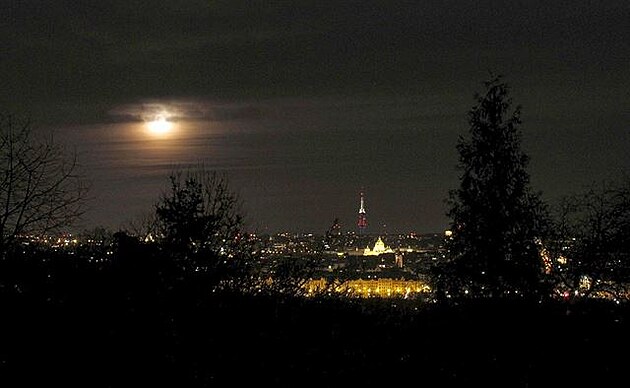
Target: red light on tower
362, 222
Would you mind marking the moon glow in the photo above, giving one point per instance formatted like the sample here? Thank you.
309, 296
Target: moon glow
160, 126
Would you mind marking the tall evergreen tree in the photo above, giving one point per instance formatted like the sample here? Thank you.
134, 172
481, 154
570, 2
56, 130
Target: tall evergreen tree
497, 221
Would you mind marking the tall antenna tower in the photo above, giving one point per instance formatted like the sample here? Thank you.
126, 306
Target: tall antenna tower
362, 222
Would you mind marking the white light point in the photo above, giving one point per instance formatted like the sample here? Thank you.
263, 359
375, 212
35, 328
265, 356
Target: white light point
160, 126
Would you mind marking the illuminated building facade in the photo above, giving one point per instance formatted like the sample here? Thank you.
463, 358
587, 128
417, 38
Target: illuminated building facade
399, 259
382, 288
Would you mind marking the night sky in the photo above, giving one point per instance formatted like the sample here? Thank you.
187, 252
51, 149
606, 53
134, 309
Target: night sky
304, 105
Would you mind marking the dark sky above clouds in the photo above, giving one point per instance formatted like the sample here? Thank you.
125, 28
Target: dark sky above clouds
305, 103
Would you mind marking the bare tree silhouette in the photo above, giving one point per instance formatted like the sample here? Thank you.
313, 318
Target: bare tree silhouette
199, 220
40, 188
592, 246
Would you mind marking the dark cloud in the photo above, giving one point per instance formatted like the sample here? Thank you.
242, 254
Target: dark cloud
75, 50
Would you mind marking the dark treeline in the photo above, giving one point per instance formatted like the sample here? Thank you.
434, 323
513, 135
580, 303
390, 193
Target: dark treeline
527, 296
141, 320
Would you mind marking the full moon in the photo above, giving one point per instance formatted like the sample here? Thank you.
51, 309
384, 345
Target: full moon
160, 126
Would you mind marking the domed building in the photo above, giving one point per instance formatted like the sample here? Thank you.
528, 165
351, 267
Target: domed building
379, 249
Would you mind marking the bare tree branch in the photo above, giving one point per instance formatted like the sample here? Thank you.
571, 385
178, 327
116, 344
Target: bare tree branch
40, 188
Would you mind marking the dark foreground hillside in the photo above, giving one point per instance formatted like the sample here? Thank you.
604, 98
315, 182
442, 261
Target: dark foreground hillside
113, 327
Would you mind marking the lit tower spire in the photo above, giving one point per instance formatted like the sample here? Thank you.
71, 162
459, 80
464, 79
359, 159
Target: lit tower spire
362, 222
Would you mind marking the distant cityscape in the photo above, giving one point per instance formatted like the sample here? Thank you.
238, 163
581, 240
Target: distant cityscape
405, 258
354, 262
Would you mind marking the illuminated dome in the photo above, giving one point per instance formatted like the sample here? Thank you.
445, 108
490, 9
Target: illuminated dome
379, 249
